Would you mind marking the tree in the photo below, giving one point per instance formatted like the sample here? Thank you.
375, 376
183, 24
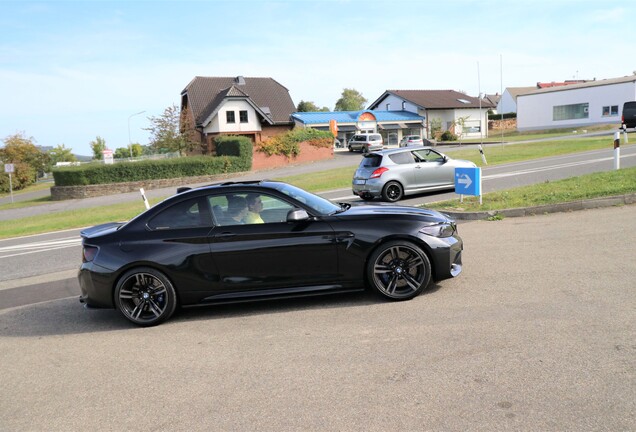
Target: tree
308, 106
166, 135
61, 154
121, 153
18, 149
98, 146
351, 100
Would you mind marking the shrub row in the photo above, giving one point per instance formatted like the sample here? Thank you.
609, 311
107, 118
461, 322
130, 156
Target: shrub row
499, 116
234, 154
288, 144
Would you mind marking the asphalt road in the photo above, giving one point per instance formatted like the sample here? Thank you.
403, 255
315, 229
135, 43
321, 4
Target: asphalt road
537, 334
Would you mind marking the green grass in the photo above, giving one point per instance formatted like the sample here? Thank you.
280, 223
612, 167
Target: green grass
70, 219
499, 154
323, 180
602, 184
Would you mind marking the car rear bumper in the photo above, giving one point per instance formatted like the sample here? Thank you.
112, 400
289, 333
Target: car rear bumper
95, 286
371, 187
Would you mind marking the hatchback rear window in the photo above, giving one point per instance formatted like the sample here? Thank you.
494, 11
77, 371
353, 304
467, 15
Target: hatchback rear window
371, 161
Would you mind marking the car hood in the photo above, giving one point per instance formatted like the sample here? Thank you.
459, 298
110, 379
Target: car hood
100, 230
381, 209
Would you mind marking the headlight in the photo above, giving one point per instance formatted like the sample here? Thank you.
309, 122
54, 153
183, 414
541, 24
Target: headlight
443, 229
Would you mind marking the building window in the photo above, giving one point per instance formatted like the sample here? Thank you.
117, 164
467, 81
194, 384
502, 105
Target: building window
243, 116
570, 112
229, 116
610, 111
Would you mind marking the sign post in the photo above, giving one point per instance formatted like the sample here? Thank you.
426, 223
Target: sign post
9, 169
108, 156
468, 182
617, 151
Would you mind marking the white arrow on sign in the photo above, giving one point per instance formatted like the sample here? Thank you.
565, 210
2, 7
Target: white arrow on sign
465, 180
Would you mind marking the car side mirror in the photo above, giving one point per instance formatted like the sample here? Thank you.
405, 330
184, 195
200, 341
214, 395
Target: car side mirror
297, 215
445, 159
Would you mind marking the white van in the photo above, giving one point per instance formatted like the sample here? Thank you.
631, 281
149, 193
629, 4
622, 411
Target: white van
366, 142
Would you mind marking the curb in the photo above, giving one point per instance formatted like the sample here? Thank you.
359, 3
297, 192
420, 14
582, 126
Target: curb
619, 200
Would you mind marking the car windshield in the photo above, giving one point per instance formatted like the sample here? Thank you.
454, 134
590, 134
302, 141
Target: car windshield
320, 205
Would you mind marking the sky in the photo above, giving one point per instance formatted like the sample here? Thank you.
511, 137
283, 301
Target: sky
74, 70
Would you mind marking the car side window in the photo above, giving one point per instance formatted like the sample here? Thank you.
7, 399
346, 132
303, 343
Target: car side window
428, 156
246, 208
402, 158
191, 213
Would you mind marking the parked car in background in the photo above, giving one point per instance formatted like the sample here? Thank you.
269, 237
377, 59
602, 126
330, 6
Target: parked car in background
366, 142
391, 174
629, 115
201, 247
411, 140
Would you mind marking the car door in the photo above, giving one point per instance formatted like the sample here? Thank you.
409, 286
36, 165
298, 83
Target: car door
432, 170
274, 254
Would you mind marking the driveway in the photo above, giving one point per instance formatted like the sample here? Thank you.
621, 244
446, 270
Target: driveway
536, 334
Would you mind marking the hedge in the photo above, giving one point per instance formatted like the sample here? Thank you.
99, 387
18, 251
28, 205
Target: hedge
234, 154
499, 116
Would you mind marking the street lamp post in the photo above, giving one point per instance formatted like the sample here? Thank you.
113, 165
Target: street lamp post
129, 142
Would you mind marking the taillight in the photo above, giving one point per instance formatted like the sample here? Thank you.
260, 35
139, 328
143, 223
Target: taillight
377, 173
88, 253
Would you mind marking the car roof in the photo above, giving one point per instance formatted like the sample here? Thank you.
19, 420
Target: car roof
400, 150
267, 184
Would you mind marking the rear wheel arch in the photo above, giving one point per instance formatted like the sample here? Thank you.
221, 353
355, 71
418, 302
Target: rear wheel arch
158, 291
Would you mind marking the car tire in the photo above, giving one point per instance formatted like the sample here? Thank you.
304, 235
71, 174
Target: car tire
398, 270
392, 191
350, 149
145, 296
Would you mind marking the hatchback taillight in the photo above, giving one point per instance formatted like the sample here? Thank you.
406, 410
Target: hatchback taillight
377, 173
88, 253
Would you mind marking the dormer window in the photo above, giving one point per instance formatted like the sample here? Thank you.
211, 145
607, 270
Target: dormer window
230, 117
243, 116
464, 101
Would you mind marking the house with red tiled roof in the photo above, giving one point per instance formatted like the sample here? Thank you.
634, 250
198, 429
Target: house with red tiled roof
447, 109
257, 108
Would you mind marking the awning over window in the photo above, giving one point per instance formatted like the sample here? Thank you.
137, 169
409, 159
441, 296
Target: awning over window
393, 126
389, 126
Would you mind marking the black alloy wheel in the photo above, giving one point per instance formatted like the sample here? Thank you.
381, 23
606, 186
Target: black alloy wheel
392, 191
399, 270
145, 296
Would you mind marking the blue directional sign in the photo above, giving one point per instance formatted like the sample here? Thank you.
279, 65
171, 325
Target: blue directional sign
468, 181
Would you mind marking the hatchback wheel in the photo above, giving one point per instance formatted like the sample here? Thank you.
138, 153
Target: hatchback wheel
392, 191
145, 296
399, 270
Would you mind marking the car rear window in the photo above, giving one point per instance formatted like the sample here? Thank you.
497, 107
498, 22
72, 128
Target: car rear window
375, 138
371, 161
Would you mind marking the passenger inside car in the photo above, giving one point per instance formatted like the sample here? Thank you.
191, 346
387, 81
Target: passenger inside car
254, 207
237, 209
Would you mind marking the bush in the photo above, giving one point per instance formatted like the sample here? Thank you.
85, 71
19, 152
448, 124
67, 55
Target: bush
448, 136
288, 144
23, 176
161, 169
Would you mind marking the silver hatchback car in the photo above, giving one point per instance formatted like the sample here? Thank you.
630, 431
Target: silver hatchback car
391, 174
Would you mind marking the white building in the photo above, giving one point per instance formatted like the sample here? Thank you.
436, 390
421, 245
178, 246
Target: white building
464, 115
577, 105
508, 101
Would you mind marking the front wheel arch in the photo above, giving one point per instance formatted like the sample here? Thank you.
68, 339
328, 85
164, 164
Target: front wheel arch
399, 269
